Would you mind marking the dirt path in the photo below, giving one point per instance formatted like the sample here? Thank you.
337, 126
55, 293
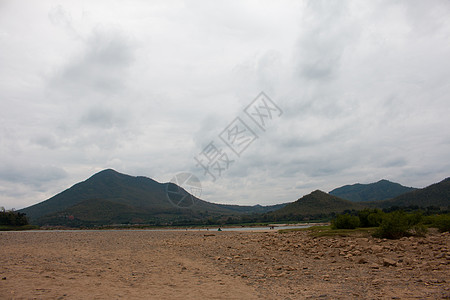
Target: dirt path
220, 265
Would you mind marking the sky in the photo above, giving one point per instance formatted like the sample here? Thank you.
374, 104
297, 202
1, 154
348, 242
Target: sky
354, 91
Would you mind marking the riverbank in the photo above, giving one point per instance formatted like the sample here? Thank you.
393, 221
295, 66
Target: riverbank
220, 265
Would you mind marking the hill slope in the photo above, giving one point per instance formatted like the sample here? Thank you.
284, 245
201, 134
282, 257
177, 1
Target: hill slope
381, 190
110, 197
437, 194
316, 203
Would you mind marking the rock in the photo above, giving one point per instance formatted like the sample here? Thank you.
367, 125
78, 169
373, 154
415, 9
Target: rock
389, 262
362, 261
377, 249
289, 268
376, 281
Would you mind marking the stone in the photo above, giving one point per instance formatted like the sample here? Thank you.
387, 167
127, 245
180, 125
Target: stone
377, 249
362, 261
389, 262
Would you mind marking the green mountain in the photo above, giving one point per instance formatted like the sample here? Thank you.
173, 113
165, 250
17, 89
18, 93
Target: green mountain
437, 194
381, 190
316, 203
109, 197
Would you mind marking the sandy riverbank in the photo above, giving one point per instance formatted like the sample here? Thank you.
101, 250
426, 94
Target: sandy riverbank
220, 265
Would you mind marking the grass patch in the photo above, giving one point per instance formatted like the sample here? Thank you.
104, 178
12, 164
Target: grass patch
18, 228
327, 230
364, 232
312, 229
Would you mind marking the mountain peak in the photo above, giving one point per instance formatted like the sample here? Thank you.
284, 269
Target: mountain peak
384, 180
316, 203
106, 172
380, 190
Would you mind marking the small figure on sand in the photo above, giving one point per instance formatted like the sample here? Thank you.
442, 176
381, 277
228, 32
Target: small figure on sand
219, 229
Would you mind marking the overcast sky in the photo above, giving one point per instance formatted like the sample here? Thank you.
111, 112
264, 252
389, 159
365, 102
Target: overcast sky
143, 87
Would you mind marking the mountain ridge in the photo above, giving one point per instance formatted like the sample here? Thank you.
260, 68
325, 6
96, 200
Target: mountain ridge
376, 191
315, 203
436, 194
142, 195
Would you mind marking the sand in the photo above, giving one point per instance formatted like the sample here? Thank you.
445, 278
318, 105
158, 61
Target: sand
220, 265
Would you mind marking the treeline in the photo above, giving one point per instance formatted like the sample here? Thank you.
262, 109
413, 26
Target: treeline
272, 218
392, 224
13, 218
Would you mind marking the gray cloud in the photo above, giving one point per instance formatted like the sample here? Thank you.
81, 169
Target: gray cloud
100, 68
144, 88
34, 174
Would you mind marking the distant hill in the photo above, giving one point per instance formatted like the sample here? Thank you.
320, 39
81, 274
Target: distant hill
437, 194
110, 197
381, 190
316, 203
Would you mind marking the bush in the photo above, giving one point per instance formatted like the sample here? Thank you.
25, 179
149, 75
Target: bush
13, 218
370, 217
441, 222
398, 224
375, 219
345, 221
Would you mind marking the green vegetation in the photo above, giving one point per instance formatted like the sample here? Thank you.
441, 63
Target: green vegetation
398, 224
317, 205
380, 190
16, 228
309, 229
13, 218
112, 198
392, 225
344, 232
441, 222
345, 221
327, 230
370, 217
435, 195
109, 198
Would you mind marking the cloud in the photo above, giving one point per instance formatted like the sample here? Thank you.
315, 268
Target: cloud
100, 68
144, 88
327, 32
34, 174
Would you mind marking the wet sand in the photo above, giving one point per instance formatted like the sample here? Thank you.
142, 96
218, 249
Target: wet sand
220, 265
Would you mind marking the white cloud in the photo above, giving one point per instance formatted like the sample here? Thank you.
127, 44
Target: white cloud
144, 87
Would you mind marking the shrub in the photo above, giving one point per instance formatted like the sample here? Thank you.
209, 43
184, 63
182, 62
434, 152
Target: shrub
345, 221
398, 224
441, 222
370, 217
13, 218
375, 219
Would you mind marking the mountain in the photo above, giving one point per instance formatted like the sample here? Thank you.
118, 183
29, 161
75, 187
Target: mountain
110, 197
381, 190
316, 203
437, 194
